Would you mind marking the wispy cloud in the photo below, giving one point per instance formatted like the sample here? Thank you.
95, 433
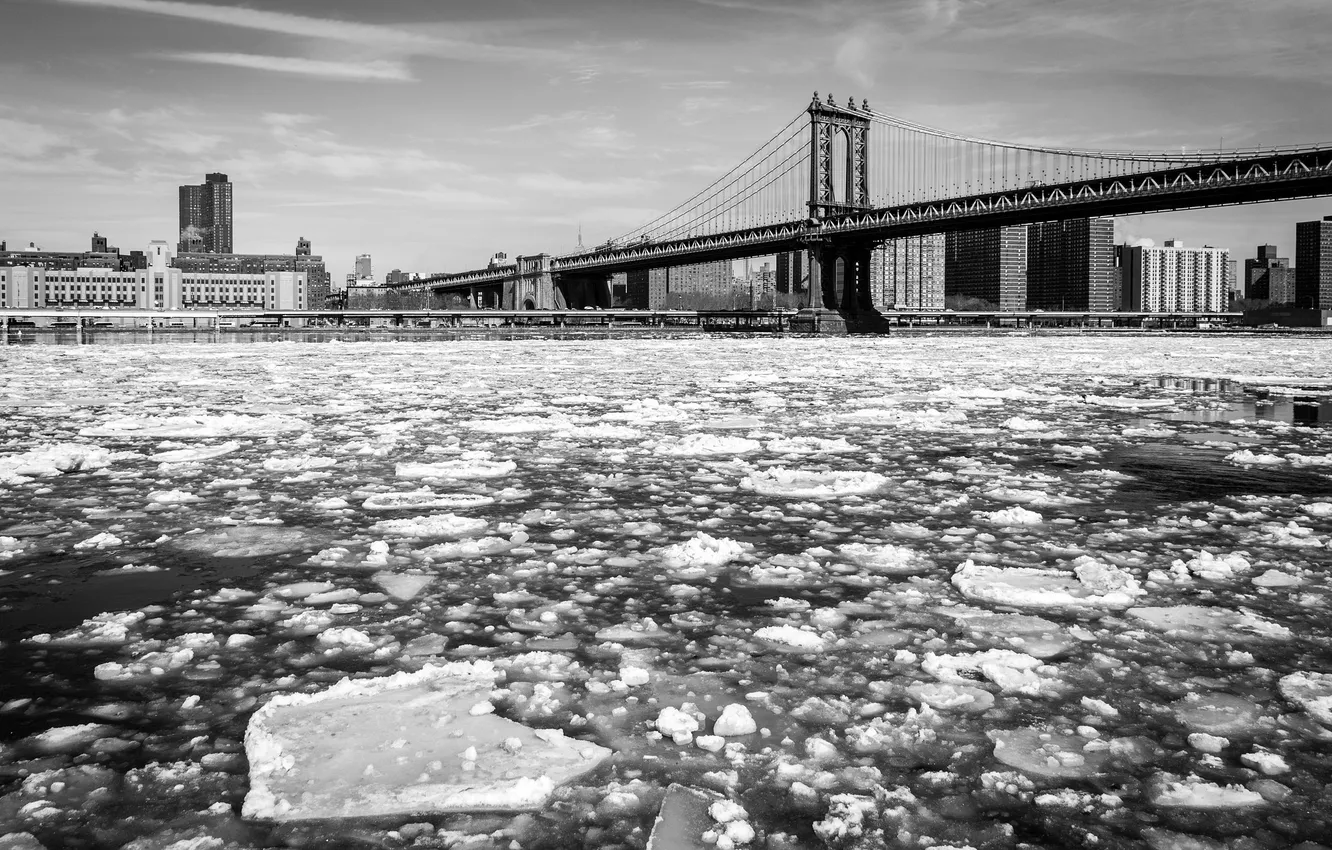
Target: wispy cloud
375, 69
365, 35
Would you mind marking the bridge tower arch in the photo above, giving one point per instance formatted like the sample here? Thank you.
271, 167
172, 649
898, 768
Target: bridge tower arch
828, 122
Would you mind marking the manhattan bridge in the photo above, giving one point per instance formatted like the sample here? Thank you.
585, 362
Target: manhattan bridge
838, 179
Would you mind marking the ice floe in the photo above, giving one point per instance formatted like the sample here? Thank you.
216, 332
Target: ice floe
409, 743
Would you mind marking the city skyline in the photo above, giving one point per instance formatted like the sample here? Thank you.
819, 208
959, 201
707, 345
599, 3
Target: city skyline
347, 124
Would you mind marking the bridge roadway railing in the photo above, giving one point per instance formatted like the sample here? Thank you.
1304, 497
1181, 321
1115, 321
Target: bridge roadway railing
721, 320
1284, 175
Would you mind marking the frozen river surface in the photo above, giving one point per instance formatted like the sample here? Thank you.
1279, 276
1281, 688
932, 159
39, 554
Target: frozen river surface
951, 591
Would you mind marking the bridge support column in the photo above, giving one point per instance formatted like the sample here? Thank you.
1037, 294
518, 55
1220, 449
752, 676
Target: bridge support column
821, 316
533, 286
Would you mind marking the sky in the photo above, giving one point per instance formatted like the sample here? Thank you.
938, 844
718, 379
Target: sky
431, 134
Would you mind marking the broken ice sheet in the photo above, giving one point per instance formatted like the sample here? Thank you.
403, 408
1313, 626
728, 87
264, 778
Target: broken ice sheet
410, 743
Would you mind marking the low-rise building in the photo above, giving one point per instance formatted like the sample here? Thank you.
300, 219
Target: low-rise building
160, 286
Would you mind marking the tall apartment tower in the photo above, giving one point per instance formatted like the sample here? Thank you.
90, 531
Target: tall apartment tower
908, 272
1313, 264
1071, 265
363, 267
1175, 279
1268, 277
205, 216
988, 264
792, 272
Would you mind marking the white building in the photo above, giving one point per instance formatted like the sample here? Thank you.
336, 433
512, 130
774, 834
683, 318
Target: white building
1175, 279
158, 287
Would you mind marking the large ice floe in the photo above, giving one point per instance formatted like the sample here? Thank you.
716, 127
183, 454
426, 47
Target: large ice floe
928, 591
410, 743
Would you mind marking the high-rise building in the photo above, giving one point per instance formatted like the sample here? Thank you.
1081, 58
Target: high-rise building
908, 272
205, 216
1071, 265
1175, 279
363, 267
989, 265
1268, 277
792, 272
1313, 264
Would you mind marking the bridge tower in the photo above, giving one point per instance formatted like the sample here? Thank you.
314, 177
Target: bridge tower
826, 122
839, 269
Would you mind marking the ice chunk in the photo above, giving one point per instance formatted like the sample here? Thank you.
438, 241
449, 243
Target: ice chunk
1051, 753
810, 446
886, 559
1010, 517
68, 739
1217, 713
437, 525
221, 425
696, 445
1195, 793
519, 424
1276, 578
391, 746
422, 499
402, 586
1093, 585
735, 720
105, 540
108, 629
195, 454
700, 555
1213, 567
810, 484
55, 459
243, 541
1311, 692
791, 639
298, 464
676, 724
460, 469
1196, 622
683, 819
947, 696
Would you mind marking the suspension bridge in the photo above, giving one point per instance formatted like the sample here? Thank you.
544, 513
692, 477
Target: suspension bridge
838, 179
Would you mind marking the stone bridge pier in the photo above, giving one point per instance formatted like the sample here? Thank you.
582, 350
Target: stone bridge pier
534, 286
839, 287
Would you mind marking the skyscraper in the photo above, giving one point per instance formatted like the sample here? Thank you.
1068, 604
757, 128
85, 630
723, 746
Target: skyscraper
363, 267
1313, 264
990, 265
205, 216
1071, 265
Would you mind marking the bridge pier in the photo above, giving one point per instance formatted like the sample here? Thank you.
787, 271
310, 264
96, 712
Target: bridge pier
533, 285
588, 289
